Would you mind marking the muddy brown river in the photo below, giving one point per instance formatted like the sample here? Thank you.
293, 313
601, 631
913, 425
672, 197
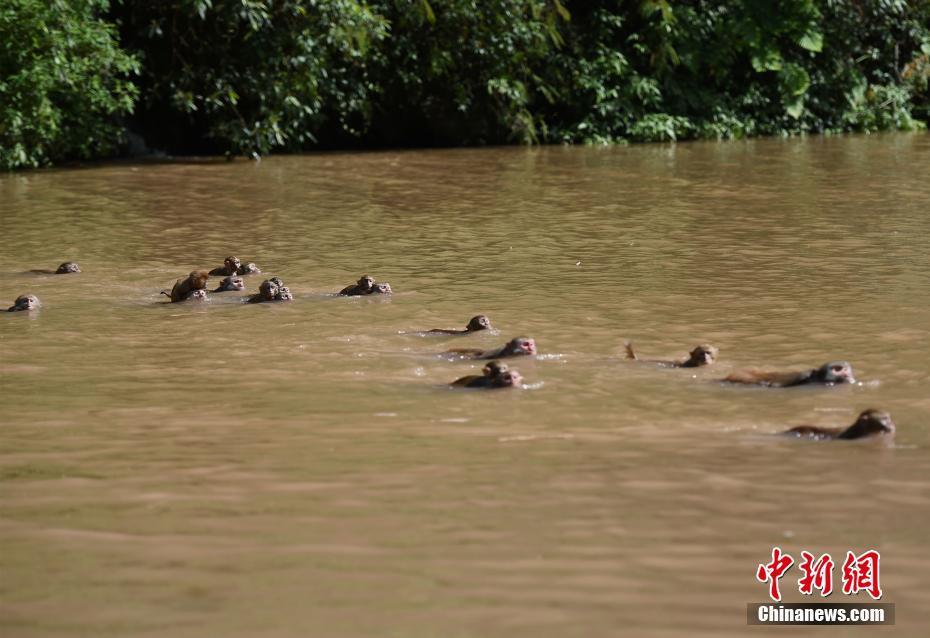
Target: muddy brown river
300, 469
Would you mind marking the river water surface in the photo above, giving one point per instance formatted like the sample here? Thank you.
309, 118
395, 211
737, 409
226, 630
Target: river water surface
300, 470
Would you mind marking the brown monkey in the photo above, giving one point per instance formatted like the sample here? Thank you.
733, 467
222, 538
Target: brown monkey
65, 269
230, 267
477, 323
197, 280
230, 284
25, 302
494, 368
491, 369
516, 347
266, 292
249, 269
364, 286
870, 424
703, 355
269, 291
494, 375
828, 374
284, 293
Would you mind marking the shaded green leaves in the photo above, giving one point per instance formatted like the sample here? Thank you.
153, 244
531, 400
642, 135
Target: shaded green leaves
812, 41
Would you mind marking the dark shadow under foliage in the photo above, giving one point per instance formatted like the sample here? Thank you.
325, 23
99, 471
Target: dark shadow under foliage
256, 76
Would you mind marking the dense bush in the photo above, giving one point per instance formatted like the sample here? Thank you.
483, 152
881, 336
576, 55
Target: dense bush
63, 82
464, 72
248, 76
252, 76
725, 68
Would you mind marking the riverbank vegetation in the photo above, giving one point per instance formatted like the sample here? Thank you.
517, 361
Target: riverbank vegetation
250, 77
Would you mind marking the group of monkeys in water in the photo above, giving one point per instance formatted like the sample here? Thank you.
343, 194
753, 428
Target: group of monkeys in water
194, 286
870, 423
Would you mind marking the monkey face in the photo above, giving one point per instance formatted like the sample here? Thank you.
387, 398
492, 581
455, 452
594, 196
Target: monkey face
277, 281
479, 322
268, 290
67, 267
836, 372
197, 295
283, 294
382, 289
249, 269
25, 302
232, 264
522, 345
366, 282
232, 283
703, 355
510, 379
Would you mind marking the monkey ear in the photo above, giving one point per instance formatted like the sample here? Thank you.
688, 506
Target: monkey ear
628, 346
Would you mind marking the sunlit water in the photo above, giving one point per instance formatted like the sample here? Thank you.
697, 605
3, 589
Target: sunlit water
301, 469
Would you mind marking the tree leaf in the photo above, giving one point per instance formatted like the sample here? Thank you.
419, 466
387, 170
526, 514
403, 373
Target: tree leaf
767, 60
428, 11
812, 41
794, 80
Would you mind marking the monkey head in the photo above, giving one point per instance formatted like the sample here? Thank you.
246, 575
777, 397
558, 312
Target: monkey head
231, 284
268, 290
835, 372
68, 267
25, 302
479, 322
703, 355
520, 345
495, 368
248, 269
870, 423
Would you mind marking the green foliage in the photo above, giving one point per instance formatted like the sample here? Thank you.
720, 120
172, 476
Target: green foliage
249, 76
868, 48
63, 81
253, 76
731, 68
465, 72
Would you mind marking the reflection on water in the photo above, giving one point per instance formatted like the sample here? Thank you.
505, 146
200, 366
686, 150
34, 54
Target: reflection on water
300, 469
